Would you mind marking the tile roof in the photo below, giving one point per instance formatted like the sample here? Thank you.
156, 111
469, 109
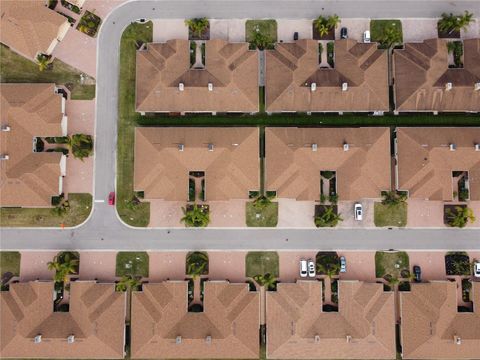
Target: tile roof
96, 319
230, 67
162, 171
421, 73
293, 168
363, 327
29, 27
431, 321
30, 110
230, 317
425, 162
292, 67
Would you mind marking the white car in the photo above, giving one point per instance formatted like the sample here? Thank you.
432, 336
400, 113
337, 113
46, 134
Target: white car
303, 268
311, 268
476, 269
358, 212
366, 37
343, 264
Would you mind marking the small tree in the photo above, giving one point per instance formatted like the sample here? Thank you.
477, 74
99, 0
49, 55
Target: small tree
391, 37
325, 25
63, 267
460, 217
127, 283
197, 264
261, 41
81, 145
195, 217
450, 23
392, 198
267, 280
43, 61
328, 219
197, 25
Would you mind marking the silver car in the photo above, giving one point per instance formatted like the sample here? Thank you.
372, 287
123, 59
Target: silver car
343, 264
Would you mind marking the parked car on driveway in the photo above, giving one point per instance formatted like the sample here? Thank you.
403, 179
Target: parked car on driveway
476, 269
358, 212
311, 268
343, 264
366, 37
303, 268
343, 33
417, 272
111, 198
295, 36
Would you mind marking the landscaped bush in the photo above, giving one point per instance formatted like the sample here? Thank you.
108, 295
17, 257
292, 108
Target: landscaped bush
331, 53
324, 27
193, 52
326, 216
334, 289
71, 7
191, 190
466, 289
404, 286
457, 215
456, 47
450, 25
81, 145
457, 263
327, 263
89, 23
196, 264
198, 29
196, 216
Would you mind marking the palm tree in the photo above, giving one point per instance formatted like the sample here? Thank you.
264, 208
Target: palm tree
465, 20
391, 36
460, 217
450, 23
267, 280
261, 41
195, 217
81, 145
197, 264
197, 26
393, 198
325, 25
333, 21
43, 61
63, 266
331, 269
328, 218
127, 283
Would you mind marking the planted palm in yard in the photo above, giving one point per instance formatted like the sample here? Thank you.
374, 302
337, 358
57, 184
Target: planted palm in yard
324, 27
198, 28
197, 264
268, 281
450, 25
196, 216
64, 264
459, 216
81, 145
327, 216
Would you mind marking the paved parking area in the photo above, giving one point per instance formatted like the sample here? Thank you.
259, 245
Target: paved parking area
286, 28
360, 266
98, 265
227, 213
431, 263
33, 265
345, 208
355, 27
417, 30
423, 213
232, 30
295, 214
169, 29
227, 266
166, 265
166, 213
290, 264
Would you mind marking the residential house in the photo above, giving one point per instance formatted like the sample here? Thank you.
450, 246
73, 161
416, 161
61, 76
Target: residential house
91, 326
305, 163
206, 163
30, 28
432, 327
224, 324
30, 176
297, 80
424, 81
300, 327
438, 163
182, 76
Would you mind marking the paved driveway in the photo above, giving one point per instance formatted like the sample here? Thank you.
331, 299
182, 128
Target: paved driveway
417, 30
360, 266
33, 265
169, 29
286, 28
227, 266
295, 214
166, 265
232, 30
431, 263
166, 213
425, 213
355, 28
346, 209
290, 264
98, 265
227, 213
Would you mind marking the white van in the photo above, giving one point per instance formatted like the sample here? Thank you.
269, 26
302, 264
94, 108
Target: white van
366, 37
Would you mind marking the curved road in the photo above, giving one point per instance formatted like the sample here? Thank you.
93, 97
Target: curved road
104, 231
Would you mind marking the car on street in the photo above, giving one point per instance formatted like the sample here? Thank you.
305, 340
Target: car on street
343, 264
141, 21
295, 36
358, 212
311, 268
303, 268
476, 269
417, 272
366, 37
343, 33
111, 198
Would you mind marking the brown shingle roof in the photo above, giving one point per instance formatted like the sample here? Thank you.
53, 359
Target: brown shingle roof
421, 74
28, 26
230, 317
162, 171
230, 67
293, 168
295, 318
98, 325
430, 321
425, 161
292, 67
30, 110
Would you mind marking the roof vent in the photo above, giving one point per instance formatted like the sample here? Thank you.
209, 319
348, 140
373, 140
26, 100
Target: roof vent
313, 86
208, 339
346, 146
181, 147
71, 339
457, 340
314, 147
178, 340
181, 87
210, 87
210, 147
344, 86
477, 147
317, 339
37, 339
4, 157
235, 144
5, 128
452, 147
349, 339
476, 87
448, 86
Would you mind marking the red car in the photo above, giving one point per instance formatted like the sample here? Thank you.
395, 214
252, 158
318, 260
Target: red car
111, 198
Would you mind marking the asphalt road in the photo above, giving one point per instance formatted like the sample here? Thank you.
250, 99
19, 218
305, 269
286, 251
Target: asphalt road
104, 231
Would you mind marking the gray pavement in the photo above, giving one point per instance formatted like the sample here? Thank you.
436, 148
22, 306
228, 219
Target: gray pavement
103, 230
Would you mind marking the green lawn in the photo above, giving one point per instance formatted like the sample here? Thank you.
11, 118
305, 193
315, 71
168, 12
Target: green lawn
267, 27
80, 207
17, 69
378, 27
261, 262
267, 216
391, 263
10, 262
132, 263
388, 215
134, 215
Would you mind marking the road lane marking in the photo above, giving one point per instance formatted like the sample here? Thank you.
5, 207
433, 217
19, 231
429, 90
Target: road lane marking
102, 201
